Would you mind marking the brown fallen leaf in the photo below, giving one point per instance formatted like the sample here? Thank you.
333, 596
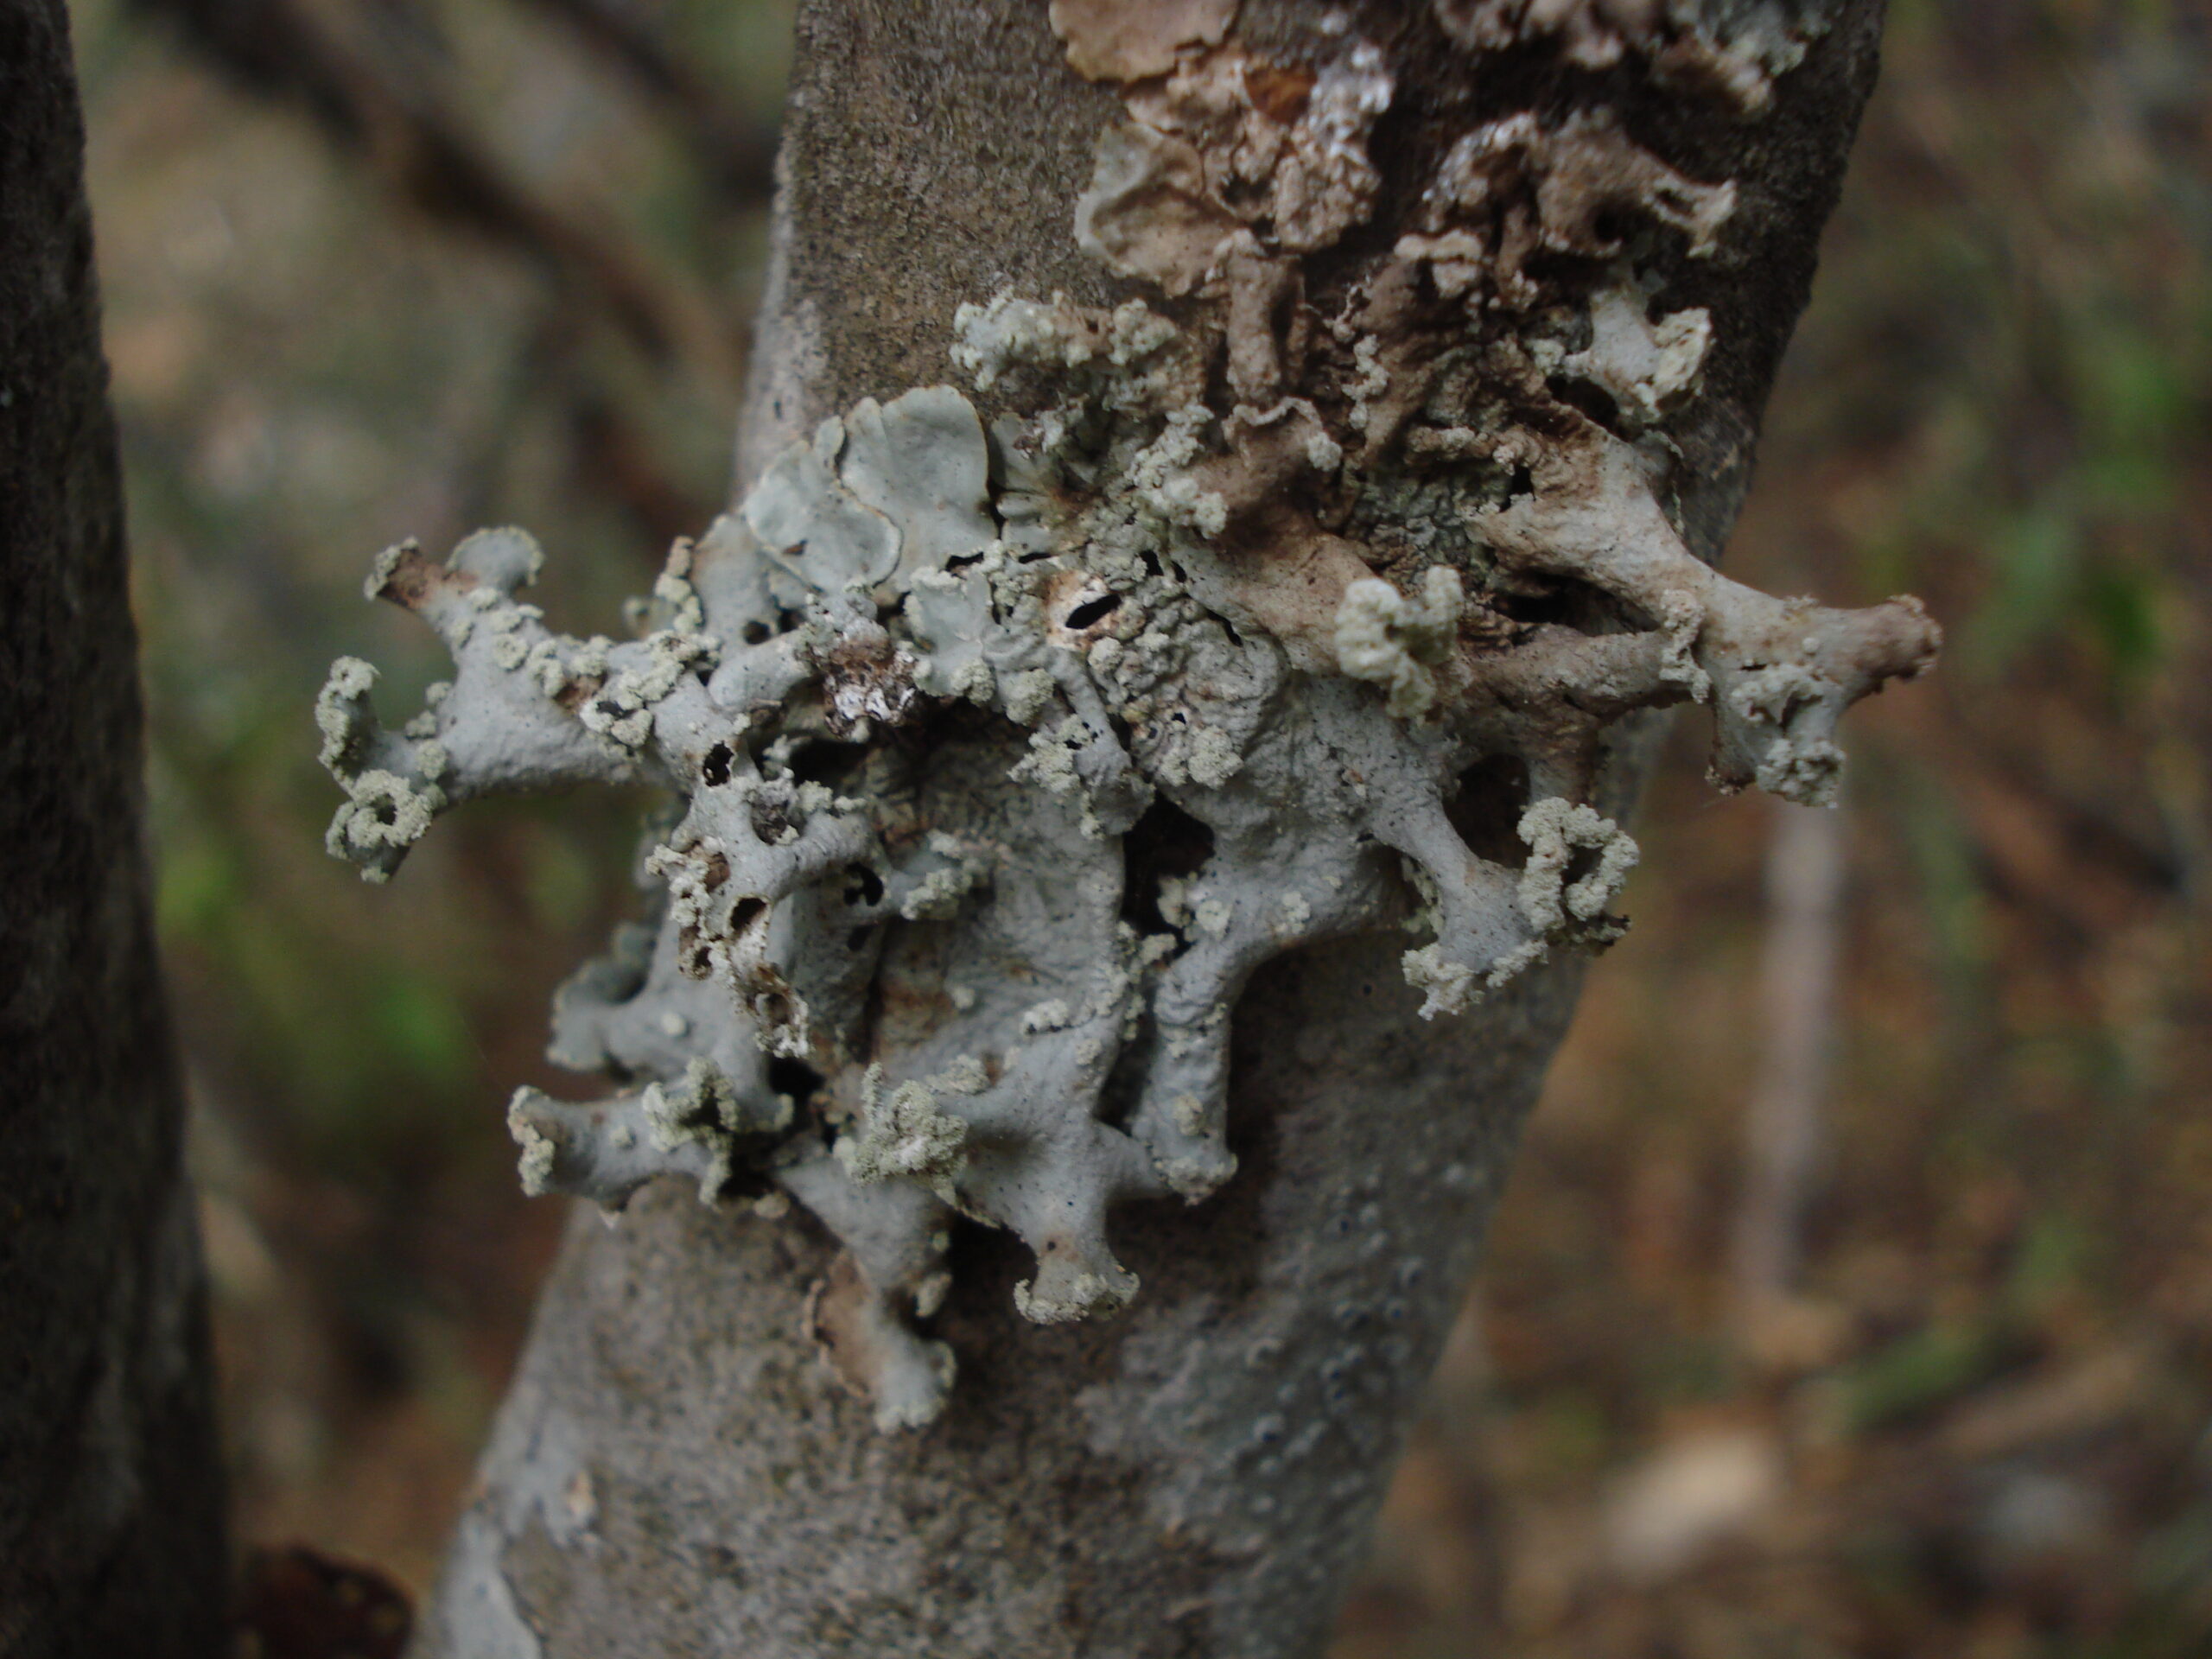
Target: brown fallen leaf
295, 1603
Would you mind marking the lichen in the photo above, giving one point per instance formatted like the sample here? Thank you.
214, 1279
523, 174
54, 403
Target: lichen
1645, 366
1399, 644
1249, 583
1554, 831
901, 1133
1230, 152
1123, 40
1734, 51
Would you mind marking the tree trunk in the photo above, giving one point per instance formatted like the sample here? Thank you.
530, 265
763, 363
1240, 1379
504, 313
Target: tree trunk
110, 1493
677, 1471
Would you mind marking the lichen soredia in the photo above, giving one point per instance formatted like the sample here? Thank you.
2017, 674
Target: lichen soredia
1242, 585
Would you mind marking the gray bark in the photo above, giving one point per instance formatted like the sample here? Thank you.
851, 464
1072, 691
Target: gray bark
110, 1495
676, 1472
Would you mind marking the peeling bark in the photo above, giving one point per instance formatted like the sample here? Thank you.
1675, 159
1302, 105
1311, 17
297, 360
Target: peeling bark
1551, 265
111, 1490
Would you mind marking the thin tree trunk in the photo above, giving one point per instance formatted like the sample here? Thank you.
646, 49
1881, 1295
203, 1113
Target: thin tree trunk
110, 1495
676, 1471
1783, 1128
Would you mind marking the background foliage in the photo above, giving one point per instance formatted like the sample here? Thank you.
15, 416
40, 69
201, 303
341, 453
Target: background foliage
380, 268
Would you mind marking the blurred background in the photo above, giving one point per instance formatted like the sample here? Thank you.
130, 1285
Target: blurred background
1854, 1292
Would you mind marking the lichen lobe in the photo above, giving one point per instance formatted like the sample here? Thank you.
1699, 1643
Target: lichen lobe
1123, 40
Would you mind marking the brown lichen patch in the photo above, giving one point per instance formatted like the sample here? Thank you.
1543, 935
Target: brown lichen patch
1229, 140
865, 678
576, 693
1591, 33
1597, 33
1282, 571
1398, 336
837, 1320
1268, 324
1285, 151
1127, 40
1515, 188
1292, 584
1148, 211
407, 578
1279, 94
845, 1317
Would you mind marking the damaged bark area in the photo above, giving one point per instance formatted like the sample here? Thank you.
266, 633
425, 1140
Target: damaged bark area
1324, 475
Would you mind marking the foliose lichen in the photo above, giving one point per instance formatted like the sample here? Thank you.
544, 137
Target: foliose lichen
1258, 586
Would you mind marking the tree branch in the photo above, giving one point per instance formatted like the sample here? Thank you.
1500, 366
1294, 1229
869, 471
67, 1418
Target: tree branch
112, 1535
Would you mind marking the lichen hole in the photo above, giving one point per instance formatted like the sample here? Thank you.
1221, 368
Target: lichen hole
1091, 611
1164, 841
1486, 807
795, 1079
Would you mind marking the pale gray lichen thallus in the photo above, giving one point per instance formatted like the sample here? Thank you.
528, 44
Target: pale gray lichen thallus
916, 701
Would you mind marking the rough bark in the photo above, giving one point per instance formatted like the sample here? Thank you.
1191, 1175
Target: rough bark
110, 1513
676, 1471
